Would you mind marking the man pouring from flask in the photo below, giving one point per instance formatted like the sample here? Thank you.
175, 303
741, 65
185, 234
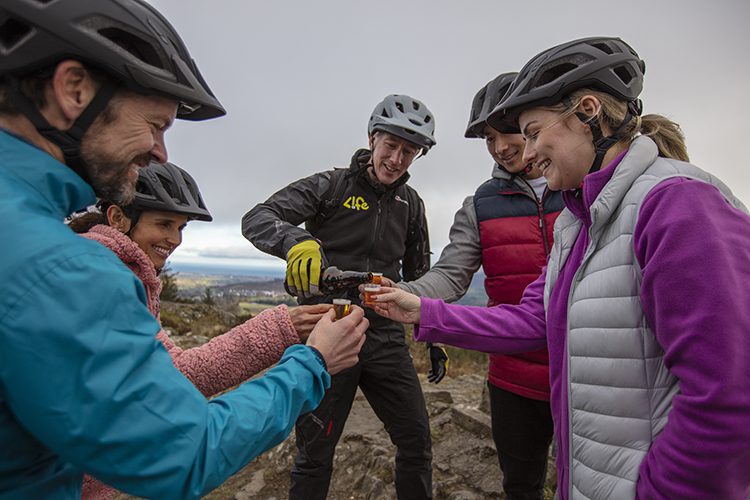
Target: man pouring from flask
364, 218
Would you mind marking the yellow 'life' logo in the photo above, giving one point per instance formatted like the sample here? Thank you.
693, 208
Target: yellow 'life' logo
356, 203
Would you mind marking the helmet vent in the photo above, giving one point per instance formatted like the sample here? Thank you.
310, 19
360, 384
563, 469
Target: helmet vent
385, 114
427, 119
195, 194
181, 77
554, 73
415, 105
603, 47
480, 98
415, 122
400, 107
11, 33
169, 187
624, 74
133, 45
143, 188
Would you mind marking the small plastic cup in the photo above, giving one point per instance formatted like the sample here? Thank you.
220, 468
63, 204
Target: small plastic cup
342, 307
377, 278
371, 289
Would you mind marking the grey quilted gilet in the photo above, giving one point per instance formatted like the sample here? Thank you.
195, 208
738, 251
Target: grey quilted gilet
619, 391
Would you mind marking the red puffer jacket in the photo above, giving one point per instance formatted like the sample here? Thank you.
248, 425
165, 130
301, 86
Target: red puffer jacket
515, 229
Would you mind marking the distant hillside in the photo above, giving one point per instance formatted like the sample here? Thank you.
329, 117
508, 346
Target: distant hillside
476, 296
194, 285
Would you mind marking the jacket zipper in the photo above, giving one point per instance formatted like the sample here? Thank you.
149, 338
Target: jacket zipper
569, 390
540, 213
374, 234
543, 223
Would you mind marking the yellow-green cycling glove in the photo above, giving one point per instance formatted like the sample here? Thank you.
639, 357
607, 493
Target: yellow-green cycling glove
303, 268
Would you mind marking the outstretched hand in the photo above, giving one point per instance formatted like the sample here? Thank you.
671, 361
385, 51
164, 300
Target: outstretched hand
396, 304
304, 318
339, 341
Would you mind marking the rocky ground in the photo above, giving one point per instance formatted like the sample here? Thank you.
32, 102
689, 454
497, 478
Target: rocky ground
464, 463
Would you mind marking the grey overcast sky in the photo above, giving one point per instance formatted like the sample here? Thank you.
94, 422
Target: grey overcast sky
300, 78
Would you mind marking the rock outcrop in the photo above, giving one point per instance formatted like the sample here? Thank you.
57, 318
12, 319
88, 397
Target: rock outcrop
465, 463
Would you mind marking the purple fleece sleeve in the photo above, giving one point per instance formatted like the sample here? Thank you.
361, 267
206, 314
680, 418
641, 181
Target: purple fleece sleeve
503, 329
694, 249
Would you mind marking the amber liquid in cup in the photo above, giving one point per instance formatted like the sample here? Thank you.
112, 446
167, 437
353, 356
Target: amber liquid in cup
342, 307
377, 278
370, 291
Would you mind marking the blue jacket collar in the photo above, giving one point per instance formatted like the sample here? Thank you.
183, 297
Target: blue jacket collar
62, 188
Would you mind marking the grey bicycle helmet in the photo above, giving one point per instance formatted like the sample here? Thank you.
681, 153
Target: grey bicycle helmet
167, 187
405, 117
603, 63
485, 101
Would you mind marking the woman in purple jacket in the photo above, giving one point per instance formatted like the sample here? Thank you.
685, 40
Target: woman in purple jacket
644, 302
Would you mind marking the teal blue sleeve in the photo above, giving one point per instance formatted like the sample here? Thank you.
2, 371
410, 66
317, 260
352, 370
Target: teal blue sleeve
83, 373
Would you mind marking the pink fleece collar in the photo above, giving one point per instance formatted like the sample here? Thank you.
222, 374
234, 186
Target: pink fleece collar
132, 256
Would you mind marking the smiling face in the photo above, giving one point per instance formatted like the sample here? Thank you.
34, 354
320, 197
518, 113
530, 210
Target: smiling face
559, 145
507, 151
124, 138
159, 234
391, 157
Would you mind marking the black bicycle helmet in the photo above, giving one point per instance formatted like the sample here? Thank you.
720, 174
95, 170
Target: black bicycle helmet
127, 39
603, 63
405, 117
485, 101
167, 187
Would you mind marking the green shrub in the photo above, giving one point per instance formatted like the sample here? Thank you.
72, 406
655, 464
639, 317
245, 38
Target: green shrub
172, 320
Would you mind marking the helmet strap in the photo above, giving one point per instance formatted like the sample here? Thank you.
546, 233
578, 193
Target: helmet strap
69, 141
602, 144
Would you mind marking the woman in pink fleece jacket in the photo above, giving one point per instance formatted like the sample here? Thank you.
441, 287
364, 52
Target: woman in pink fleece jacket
143, 234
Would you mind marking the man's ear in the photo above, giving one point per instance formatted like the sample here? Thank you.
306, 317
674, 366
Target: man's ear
72, 89
117, 219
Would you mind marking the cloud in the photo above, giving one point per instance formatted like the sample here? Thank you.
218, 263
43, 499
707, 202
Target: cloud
300, 81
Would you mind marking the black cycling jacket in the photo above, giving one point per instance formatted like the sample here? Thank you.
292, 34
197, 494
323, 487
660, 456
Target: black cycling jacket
370, 227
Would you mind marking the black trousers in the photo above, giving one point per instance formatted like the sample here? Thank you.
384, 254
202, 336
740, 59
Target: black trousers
522, 430
387, 377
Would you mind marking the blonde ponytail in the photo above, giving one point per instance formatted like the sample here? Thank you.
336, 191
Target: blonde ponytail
667, 135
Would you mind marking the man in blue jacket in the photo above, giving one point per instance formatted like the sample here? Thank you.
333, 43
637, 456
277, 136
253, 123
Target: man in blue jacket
87, 91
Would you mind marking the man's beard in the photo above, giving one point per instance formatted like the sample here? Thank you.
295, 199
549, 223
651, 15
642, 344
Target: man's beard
107, 169
109, 176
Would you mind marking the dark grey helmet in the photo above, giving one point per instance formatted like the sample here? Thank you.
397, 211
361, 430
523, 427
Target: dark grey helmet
485, 101
405, 117
603, 63
167, 187
127, 39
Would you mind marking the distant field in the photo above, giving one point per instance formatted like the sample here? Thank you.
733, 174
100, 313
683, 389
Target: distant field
252, 307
